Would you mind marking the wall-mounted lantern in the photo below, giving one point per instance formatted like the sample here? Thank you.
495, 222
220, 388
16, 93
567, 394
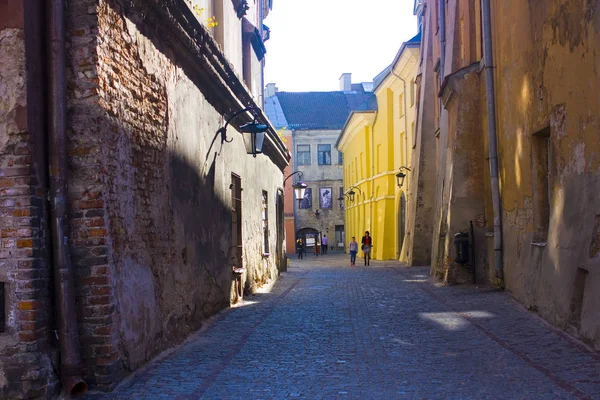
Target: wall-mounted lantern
317, 214
299, 191
351, 192
401, 175
253, 133
299, 188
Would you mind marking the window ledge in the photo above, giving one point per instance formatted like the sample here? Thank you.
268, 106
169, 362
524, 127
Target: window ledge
538, 244
266, 255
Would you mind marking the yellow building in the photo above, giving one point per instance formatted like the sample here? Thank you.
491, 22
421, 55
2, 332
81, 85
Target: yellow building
376, 143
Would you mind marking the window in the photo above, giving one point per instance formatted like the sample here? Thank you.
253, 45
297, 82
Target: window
265, 220
412, 92
303, 154
541, 184
401, 105
324, 153
236, 220
340, 158
341, 197
307, 201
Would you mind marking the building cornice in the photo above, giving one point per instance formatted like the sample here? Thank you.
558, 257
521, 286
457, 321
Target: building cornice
201, 57
352, 122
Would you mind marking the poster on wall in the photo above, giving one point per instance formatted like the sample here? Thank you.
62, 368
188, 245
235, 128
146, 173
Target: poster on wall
310, 240
307, 201
325, 197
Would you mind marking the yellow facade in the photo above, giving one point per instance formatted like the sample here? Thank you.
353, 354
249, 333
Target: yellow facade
376, 144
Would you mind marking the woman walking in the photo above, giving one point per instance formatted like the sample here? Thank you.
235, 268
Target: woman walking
367, 244
353, 248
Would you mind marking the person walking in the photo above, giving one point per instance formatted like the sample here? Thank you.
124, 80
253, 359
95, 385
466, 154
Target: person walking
317, 247
300, 248
367, 244
324, 244
353, 248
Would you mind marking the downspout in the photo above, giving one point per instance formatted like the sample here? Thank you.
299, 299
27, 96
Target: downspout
372, 176
405, 117
492, 136
64, 292
442, 12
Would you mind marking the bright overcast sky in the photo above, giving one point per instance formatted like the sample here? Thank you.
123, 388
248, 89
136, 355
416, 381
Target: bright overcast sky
314, 41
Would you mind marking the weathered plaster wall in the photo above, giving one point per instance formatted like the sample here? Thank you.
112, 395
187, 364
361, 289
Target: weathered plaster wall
419, 224
150, 193
547, 74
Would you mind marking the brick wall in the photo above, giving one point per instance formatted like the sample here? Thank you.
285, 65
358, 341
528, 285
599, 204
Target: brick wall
149, 196
27, 343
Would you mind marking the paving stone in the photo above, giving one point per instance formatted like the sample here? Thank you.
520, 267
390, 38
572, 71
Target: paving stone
329, 331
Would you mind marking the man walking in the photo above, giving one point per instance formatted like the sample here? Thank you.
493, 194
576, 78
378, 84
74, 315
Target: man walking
324, 245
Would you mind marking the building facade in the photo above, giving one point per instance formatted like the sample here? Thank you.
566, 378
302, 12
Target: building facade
311, 123
377, 145
514, 120
128, 216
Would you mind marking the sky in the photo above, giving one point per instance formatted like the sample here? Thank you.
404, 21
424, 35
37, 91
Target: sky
314, 41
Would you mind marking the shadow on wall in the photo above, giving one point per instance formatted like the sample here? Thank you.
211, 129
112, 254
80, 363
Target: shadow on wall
160, 230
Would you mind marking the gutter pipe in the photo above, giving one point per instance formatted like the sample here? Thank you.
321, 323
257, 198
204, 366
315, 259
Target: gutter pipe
405, 116
492, 135
442, 18
64, 292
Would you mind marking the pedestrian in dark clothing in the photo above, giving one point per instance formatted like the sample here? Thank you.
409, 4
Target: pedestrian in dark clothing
367, 244
300, 248
324, 242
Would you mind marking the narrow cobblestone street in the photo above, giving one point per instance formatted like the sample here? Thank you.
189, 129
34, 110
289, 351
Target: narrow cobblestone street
328, 331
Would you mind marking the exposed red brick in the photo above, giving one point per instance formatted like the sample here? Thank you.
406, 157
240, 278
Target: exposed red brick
28, 305
23, 212
91, 204
97, 232
107, 360
103, 330
96, 281
6, 182
102, 300
24, 243
101, 291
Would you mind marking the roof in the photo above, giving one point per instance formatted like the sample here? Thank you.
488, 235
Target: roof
318, 110
275, 113
415, 41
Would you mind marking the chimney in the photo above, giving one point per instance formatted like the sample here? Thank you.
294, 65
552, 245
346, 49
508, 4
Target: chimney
346, 82
270, 90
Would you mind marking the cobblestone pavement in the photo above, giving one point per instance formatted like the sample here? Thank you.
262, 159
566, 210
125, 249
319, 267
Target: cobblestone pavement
328, 331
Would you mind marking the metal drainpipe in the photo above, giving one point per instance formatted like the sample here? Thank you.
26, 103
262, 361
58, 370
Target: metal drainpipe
372, 176
442, 17
64, 292
405, 117
492, 136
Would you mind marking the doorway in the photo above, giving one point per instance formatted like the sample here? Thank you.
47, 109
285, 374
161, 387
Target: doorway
236, 230
401, 224
280, 230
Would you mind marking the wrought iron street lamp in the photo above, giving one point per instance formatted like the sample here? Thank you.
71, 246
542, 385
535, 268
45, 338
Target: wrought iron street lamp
317, 214
351, 192
299, 188
299, 191
401, 175
253, 132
